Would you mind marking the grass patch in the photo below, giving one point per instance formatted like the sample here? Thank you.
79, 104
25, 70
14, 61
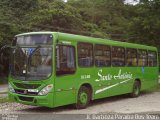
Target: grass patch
154, 89
4, 99
158, 88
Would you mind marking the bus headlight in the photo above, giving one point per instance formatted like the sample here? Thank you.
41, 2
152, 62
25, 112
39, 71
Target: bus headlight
10, 88
46, 90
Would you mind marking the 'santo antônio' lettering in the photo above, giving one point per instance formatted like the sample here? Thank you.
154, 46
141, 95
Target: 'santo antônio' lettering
123, 75
120, 76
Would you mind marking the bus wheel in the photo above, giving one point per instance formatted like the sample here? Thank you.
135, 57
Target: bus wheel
83, 98
136, 89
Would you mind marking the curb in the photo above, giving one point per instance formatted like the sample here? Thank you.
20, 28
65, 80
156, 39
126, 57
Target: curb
4, 92
3, 89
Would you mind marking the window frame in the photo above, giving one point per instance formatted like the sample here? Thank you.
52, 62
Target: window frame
74, 60
139, 57
126, 55
104, 55
153, 61
91, 56
112, 56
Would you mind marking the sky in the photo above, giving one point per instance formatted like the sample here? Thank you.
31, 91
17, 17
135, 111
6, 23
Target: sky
134, 2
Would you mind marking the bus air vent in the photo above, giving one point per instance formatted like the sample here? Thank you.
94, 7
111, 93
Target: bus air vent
27, 86
30, 99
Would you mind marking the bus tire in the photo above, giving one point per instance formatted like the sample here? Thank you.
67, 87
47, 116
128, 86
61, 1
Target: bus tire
136, 89
83, 98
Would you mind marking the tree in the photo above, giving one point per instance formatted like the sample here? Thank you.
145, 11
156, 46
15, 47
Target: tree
14, 15
144, 26
55, 15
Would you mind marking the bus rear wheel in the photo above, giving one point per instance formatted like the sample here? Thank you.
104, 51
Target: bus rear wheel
83, 98
136, 89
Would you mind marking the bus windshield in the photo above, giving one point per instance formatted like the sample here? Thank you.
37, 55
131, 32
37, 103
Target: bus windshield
32, 63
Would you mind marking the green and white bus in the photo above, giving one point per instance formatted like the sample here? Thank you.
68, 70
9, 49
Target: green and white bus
53, 69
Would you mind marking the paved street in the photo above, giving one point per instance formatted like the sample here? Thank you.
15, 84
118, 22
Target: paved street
3, 88
147, 102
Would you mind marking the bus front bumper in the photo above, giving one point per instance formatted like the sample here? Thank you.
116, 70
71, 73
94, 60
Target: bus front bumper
46, 101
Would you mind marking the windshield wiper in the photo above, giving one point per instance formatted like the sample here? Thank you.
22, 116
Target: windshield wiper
32, 52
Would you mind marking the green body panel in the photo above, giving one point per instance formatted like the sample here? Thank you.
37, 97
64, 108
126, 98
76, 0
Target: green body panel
117, 80
47, 100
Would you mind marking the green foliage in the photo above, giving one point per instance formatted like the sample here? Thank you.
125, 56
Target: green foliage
7, 32
4, 100
14, 18
52, 15
144, 25
99, 18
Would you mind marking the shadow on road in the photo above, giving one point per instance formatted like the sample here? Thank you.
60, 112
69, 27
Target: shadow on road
70, 107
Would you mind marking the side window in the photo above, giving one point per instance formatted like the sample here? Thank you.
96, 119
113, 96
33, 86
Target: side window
65, 60
85, 55
131, 57
142, 58
102, 56
118, 56
152, 59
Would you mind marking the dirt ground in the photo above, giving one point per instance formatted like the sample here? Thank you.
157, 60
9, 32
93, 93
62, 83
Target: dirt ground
148, 102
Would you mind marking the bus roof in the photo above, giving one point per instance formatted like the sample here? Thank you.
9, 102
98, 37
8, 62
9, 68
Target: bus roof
33, 33
80, 38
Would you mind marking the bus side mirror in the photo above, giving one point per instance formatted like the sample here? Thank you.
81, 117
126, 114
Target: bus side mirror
5, 58
4, 52
14, 41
